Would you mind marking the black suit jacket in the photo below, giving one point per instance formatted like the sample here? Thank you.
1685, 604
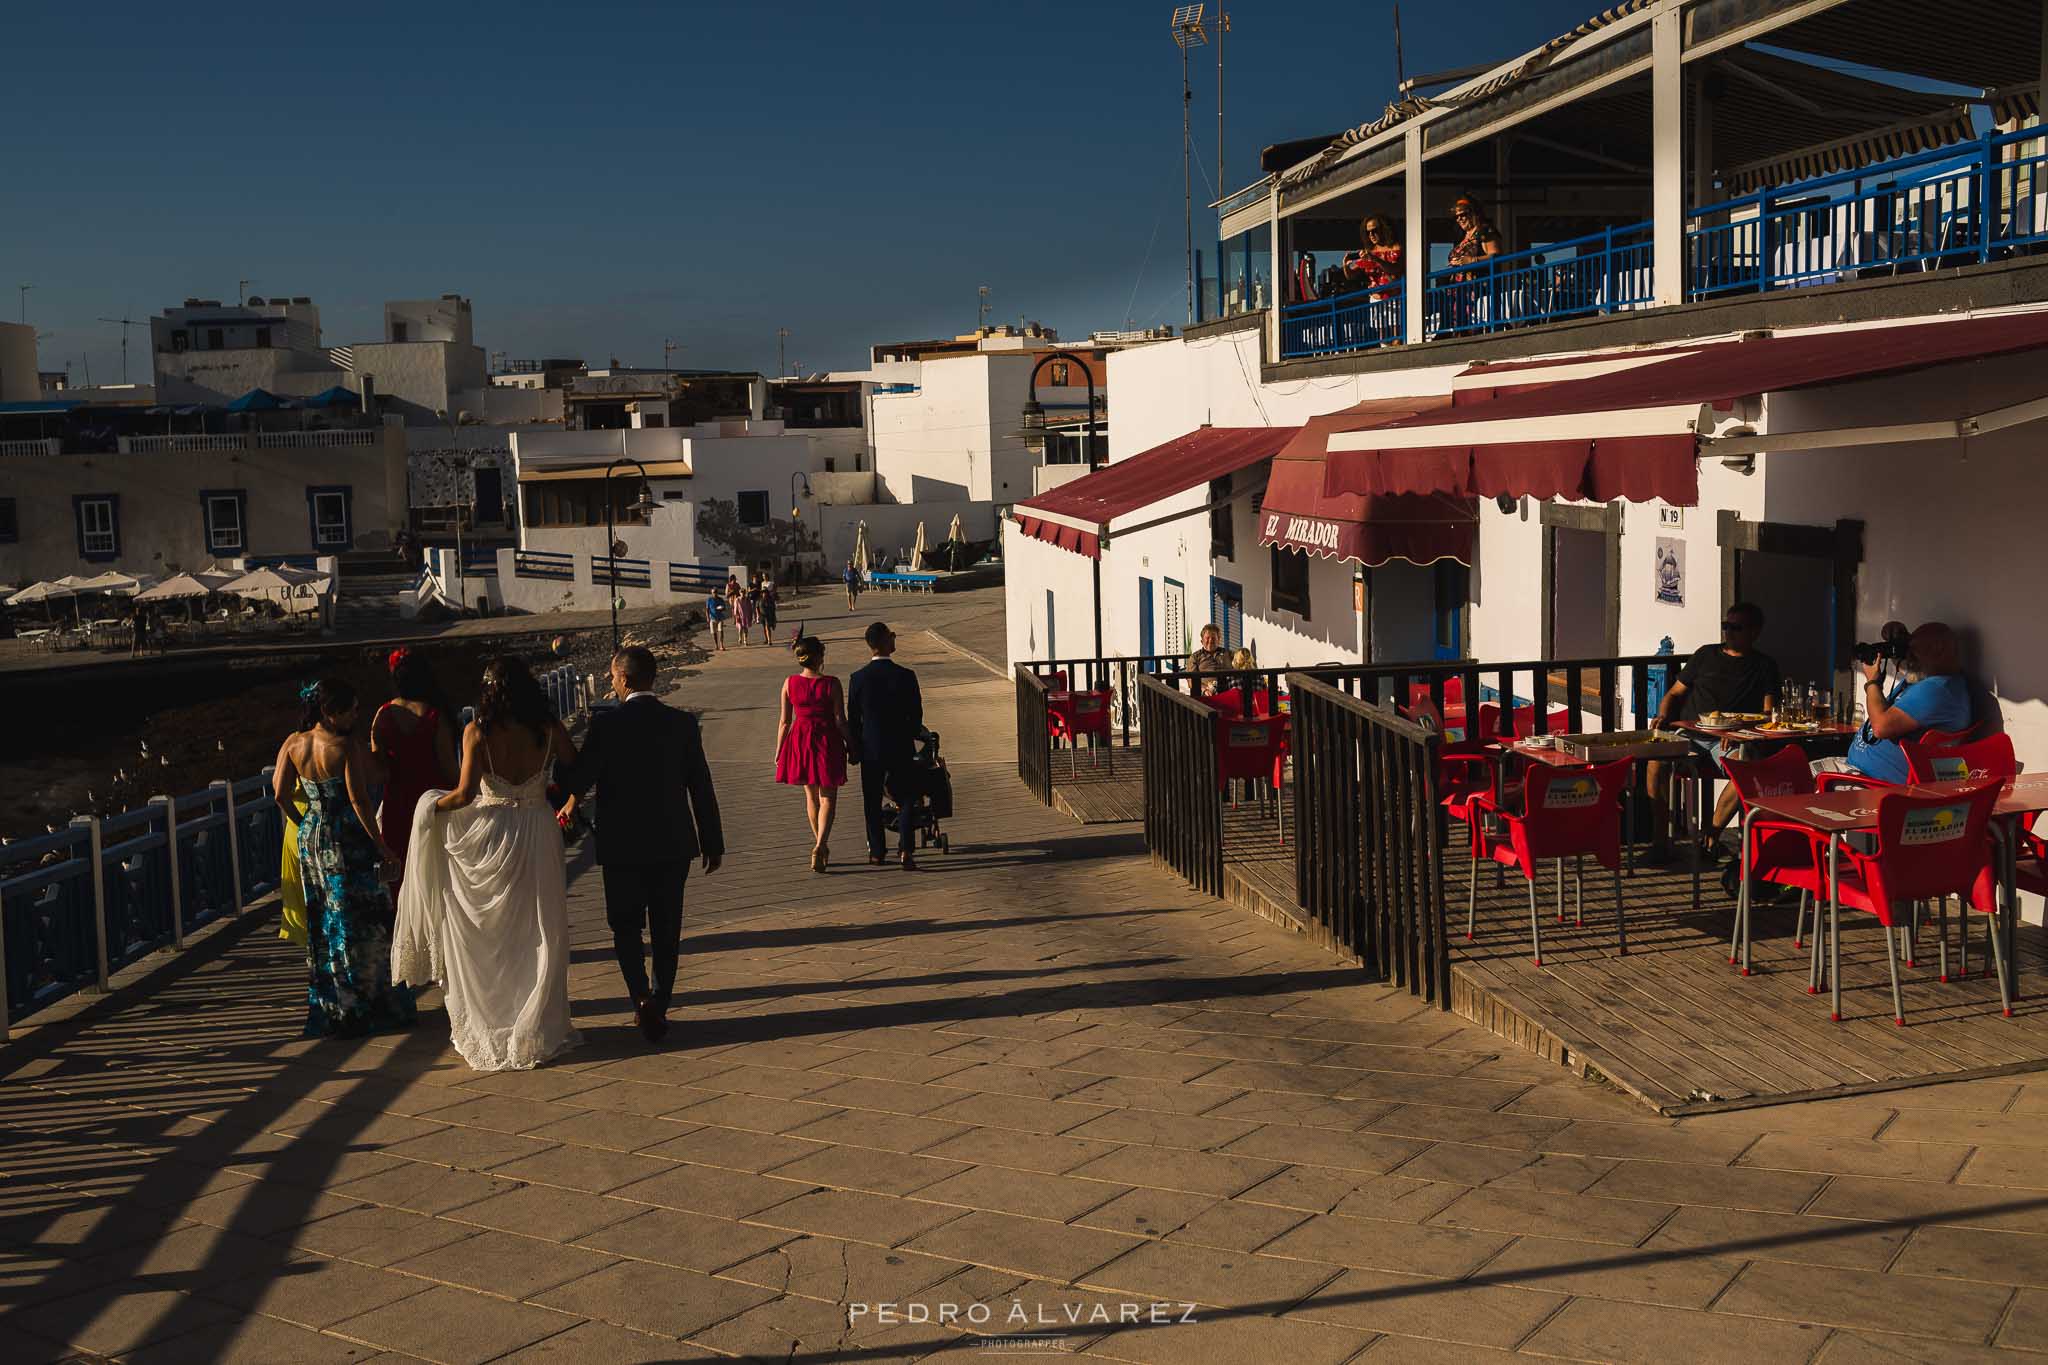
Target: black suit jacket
655, 802
885, 711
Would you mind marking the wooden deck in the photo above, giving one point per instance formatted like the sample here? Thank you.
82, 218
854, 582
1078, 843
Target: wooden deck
1107, 785
1672, 1022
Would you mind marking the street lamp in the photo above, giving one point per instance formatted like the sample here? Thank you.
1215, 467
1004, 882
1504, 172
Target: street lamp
1034, 429
646, 506
797, 480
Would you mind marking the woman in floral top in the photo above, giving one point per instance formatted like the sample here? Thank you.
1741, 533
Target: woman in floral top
1481, 238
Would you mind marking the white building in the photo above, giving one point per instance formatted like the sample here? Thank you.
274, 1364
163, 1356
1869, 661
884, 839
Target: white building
1777, 373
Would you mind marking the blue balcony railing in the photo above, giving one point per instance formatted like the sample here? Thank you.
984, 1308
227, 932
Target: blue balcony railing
1357, 321
1958, 205
1966, 204
1604, 272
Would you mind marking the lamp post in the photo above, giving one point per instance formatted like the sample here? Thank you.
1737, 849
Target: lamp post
1034, 429
646, 506
798, 480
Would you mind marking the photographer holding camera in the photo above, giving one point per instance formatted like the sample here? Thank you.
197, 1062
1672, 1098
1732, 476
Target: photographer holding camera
1930, 694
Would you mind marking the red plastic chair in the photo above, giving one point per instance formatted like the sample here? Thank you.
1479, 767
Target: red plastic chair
1072, 715
1991, 756
1252, 751
1565, 813
1227, 701
1780, 854
1928, 849
1555, 722
1454, 692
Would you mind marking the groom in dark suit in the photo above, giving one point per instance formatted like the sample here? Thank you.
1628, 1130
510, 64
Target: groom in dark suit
656, 810
885, 712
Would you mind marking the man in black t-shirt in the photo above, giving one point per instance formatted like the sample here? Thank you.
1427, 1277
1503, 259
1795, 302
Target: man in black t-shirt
1733, 675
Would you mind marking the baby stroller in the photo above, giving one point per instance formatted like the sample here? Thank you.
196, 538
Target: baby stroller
931, 800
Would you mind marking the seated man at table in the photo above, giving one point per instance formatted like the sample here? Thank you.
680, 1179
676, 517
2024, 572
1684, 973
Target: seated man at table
1733, 675
1932, 695
1212, 657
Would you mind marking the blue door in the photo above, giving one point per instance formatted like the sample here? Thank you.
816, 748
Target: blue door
1145, 649
1452, 586
1226, 609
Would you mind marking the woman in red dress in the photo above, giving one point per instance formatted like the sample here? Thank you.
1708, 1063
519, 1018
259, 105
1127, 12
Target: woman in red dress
415, 742
810, 742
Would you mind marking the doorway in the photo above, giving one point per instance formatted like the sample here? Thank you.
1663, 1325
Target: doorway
1581, 590
490, 495
1173, 604
1804, 578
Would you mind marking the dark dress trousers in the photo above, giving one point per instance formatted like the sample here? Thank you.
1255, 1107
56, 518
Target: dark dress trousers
885, 711
656, 811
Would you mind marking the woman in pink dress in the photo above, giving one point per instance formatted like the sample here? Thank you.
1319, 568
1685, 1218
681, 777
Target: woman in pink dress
810, 743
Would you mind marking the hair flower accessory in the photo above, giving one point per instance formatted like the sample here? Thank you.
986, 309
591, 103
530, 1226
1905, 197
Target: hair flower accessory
398, 656
311, 691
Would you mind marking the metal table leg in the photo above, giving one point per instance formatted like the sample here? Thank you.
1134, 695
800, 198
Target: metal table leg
1835, 923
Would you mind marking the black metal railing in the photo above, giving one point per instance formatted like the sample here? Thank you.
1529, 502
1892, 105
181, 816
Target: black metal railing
1034, 755
1368, 865
1116, 675
1183, 798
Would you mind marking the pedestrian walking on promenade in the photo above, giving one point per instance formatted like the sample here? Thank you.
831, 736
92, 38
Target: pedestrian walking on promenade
810, 742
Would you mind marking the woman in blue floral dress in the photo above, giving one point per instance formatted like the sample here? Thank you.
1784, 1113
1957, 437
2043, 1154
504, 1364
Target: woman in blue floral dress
341, 861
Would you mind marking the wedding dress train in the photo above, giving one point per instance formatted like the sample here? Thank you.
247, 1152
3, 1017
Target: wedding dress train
484, 910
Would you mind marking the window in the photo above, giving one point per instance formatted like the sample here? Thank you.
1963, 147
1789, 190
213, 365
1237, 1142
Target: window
262, 337
213, 339
99, 525
830, 464
10, 525
1290, 581
754, 507
226, 514
1222, 522
1061, 375
1226, 611
398, 331
329, 511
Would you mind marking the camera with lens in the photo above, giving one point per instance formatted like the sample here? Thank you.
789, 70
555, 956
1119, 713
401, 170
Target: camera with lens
1891, 644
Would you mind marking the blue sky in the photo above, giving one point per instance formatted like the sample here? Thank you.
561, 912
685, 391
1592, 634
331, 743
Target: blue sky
596, 178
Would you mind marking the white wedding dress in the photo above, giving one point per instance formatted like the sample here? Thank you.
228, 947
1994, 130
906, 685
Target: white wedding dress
485, 911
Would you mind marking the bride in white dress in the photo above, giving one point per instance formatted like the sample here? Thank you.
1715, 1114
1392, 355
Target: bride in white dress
484, 906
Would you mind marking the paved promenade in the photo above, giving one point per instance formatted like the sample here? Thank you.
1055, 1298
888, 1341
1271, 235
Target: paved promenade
1037, 1087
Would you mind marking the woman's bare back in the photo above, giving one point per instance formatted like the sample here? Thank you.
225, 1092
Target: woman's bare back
513, 753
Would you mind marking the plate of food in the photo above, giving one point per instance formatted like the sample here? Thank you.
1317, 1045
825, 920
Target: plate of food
1789, 727
1729, 720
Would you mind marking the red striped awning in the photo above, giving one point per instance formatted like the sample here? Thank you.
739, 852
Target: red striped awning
1076, 516
1631, 433
1297, 514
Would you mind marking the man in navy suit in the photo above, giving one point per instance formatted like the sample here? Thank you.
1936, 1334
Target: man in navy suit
885, 712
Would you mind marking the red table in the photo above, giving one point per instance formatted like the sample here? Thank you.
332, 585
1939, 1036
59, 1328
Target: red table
1854, 811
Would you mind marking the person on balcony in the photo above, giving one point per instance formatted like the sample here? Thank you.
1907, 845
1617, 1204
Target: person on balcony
1377, 264
1481, 238
1732, 676
1933, 694
1212, 658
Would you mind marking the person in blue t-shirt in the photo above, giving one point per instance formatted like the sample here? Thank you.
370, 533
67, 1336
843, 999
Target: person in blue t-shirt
1933, 696
716, 611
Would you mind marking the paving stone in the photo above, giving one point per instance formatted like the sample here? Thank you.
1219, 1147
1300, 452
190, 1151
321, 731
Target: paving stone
707, 1189
1318, 1189
1375, 1245
693, 1241
1371, 1152
1856, 1156
545, 1212
1157, 1128
755, 1113
373, 1235
736, 1149
1231, 1341
1976, 1254
454, 1326
117, 1319
1600, 1270
470, 1149
1727, 1187
1867, 1299
502, 1263
1171, 1169
425, 1188
192, 1257
1020, 1151
857, 1217
878, 1172
651, 1298
886, 1096
1146, 1213
582, 1168
1876, 1348
254, 1341
842, 1272
1458, 1163
1030, 1193
886, 1132
1535, 1213
600, 1343
1638, 1334
260, 1210
1780, 1237
2026, 1323
1376, 1300
1026, 1246
1018, 1112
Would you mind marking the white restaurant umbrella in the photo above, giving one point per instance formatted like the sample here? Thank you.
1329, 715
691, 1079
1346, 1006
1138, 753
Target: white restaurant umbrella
201, 584
269, 579
860, 546
116, 581
917, 549
46, 593
956, 534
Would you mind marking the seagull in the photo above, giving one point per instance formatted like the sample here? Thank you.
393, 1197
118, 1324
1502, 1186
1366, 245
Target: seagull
165, 761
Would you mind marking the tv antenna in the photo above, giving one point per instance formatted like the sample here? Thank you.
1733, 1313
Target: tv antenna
981, 317
24, 288
781, 352
242, 292
669, 346
1222, 27
125, 323
1400, 66
1187, 33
